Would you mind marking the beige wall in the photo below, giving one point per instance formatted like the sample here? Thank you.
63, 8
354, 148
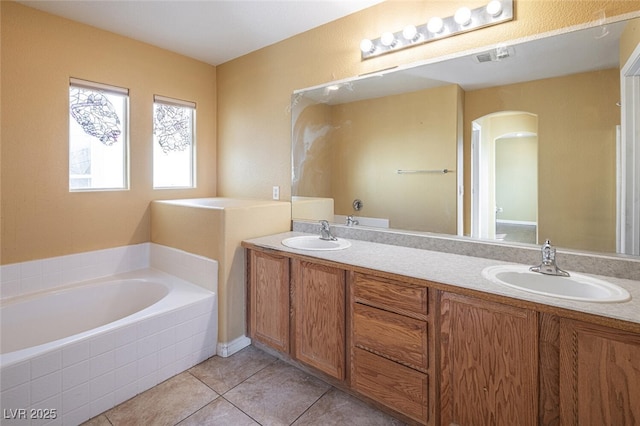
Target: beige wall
254, 91
411, 131
39, 52
629, 40
576, 152
216, 232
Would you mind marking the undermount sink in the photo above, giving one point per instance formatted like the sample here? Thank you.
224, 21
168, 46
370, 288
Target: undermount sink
576, 287
314, 242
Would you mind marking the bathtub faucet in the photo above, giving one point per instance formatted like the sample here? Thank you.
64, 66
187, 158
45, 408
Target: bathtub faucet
325, 231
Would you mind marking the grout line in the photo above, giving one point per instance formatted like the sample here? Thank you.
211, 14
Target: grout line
241, 410
221, 395
207, 403
269, 363
314, 403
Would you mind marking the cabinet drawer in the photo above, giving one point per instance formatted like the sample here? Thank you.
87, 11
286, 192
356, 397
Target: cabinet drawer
396, 386
391, 295
391, 335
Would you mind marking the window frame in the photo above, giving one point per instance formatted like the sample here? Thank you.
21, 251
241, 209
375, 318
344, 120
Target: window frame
109, 89
164, 100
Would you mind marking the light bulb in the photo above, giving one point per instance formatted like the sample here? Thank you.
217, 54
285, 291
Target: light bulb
494, 8
388, 39
435, 25
463, 16
410, 33
367, 46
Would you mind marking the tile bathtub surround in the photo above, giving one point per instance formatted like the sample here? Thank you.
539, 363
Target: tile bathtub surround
618, 266
90, 376
248, 388
37, 275
18, 279
190, 267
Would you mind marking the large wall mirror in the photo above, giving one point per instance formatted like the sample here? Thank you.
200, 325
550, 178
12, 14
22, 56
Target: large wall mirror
520, 142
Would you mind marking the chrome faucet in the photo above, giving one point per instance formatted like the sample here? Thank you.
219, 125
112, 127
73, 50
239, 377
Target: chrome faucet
351, 221
548, 265
325, 231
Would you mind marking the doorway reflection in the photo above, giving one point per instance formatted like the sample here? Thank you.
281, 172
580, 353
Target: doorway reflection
505, 177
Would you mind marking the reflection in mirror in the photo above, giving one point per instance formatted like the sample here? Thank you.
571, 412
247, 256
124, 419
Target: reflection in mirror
414, 143
390, 152
504, 156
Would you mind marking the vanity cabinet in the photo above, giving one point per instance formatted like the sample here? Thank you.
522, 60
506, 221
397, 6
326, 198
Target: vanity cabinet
599, 375
488, 363
269, 299
390, 344
318, 317
437, 356
298, 308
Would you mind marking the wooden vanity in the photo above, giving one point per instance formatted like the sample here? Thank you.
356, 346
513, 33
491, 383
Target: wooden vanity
437, 354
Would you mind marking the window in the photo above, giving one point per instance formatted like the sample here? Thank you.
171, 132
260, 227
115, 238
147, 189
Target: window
98, 136
173, 143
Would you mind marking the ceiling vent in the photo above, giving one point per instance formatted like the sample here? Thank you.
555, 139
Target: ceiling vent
494, 55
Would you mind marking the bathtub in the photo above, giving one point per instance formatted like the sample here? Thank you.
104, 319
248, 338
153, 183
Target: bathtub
71, 353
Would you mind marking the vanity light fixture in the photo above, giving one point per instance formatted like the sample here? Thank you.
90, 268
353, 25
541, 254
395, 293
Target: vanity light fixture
464, 20
463, 16
435, 25
411, 34
388, 39
494, 8
367, 46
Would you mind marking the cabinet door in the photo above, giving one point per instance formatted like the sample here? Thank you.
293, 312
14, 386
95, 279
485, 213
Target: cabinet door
269, 299
489, 363
599, 375
319, 317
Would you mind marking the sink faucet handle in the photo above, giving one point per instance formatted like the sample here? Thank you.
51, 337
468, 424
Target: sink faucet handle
325, 231
548, 252
548, 265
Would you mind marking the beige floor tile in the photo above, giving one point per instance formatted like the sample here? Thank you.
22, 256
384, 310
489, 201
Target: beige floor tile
100, 420
222, 374
277, 395
166, 404
338, 408
219, 413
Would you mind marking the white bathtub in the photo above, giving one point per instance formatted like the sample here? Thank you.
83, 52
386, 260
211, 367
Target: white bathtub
80, 350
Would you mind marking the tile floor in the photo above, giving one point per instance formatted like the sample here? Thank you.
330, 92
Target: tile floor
247, 388
517, 233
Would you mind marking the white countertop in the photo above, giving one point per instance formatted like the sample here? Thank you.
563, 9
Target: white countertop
455, 270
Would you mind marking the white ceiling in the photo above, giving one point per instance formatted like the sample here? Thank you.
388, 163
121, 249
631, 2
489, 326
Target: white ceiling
213, 31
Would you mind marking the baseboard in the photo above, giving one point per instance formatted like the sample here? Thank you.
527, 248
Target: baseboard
226, 349
516, 222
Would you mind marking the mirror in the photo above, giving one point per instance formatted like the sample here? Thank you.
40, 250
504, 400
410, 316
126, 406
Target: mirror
439, 147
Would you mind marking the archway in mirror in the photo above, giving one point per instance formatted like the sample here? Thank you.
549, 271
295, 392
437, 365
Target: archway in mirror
504, 168
628, 159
